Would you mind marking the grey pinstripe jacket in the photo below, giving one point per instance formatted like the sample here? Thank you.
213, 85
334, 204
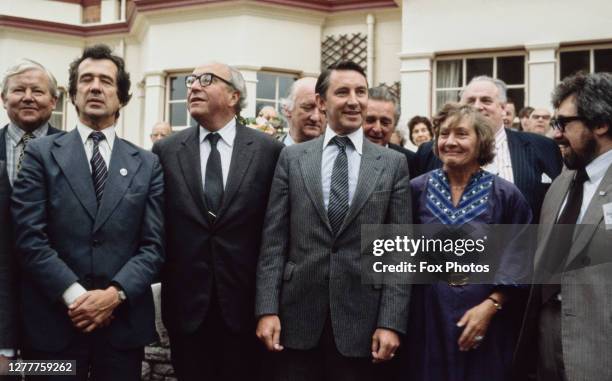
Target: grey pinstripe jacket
305, 273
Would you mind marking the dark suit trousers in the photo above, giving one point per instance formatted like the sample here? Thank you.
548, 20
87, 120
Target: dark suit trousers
213, 352
550, 363
323, 363
94, 356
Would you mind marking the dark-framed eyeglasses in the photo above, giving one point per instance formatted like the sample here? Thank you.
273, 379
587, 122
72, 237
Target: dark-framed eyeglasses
205, 80
559, 122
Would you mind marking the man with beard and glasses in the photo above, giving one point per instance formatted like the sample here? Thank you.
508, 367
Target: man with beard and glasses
567, 326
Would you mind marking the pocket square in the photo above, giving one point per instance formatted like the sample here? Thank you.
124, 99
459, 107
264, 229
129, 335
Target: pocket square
545, 179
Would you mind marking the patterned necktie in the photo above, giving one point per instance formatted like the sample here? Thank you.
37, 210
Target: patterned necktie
213, 179
561, 245
99, 172
339, 191
25, 139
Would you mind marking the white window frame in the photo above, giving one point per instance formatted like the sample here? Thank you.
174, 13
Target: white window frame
169, 101
279, 97
62, 113
464, 58
579, 48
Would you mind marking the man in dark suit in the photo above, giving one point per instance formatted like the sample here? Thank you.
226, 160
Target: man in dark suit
29, 94
304, 118
528, 160
88, 212
566, 330
8, 306
217, 177
312, 305
381, 120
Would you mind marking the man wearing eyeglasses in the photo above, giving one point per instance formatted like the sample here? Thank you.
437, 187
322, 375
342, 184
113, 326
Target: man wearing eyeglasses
568, 323
217, 178
539, 122
529, 161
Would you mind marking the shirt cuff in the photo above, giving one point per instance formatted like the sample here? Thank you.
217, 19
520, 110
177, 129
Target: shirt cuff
7, 352
72, 293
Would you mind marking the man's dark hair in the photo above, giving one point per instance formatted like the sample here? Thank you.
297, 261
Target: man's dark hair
101, 52
525, 112
593, 97
323, 80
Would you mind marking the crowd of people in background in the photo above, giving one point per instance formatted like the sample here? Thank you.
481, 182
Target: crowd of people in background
257, 239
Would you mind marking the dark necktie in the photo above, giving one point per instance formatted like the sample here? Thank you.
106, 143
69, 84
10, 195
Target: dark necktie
213, 179
99, 172
339, 190
25, 139
562, 243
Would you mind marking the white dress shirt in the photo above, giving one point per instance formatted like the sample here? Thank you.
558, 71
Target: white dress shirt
288, 140
502, 164
106, 148
353, 155
596, 171
225, 146
14, 146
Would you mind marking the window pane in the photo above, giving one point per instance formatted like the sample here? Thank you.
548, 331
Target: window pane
193, 122
283, 86
449, 74
57, 120
511, 70
573, 62
446, 96
177, 87
518, 96
178, 114
603, 60
266, 86
59, 105
479, 66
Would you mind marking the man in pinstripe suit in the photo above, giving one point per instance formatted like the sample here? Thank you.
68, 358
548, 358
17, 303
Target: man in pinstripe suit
308, 278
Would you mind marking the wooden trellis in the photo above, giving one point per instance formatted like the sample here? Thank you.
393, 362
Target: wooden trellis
352, 47
395, 89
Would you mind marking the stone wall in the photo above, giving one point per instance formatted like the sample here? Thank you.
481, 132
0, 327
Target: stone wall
156, 365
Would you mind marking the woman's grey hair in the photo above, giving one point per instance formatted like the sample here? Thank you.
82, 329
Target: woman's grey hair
237, 80
502, 89
289, 102
24, 65
381, 93
455, 113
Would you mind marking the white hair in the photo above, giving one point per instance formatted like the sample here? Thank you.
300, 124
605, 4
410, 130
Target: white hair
24, 65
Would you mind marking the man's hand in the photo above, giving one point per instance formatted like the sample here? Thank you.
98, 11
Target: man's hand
94, 309
384, 344
268, 331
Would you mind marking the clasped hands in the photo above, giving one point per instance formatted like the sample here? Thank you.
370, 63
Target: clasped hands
384, 341
94, 309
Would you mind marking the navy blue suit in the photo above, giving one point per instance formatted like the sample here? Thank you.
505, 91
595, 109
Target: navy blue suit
50, 131
63, 237
531, 155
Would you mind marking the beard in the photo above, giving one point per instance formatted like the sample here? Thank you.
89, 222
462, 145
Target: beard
576, 160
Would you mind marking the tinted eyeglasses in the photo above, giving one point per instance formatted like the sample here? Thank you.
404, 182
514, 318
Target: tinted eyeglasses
559, 122
205, 80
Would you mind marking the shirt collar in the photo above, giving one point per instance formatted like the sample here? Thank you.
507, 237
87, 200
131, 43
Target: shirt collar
84, 132
227, 133
500, 136
598, 167
15, 133
288, 140
356, 138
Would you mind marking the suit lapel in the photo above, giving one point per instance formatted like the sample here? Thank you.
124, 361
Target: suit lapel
69, 153
242, 154
310, 165
124, 160
519, 160
369, 171
3, 143
592, 217
189, 161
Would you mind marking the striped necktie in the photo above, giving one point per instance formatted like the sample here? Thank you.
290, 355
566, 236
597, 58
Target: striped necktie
99, 172
339, 190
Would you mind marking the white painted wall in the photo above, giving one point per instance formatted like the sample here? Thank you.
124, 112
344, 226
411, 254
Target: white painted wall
42, 10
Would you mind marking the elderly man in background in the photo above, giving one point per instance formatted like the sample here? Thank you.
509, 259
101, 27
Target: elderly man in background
29, 95
382, 116
510, 114
539, 122
305, 120
160, 130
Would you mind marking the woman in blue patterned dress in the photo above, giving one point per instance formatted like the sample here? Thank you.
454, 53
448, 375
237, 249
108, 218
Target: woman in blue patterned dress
460, 331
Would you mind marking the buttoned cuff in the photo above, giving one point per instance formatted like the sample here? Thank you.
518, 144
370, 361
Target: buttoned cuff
72, 293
